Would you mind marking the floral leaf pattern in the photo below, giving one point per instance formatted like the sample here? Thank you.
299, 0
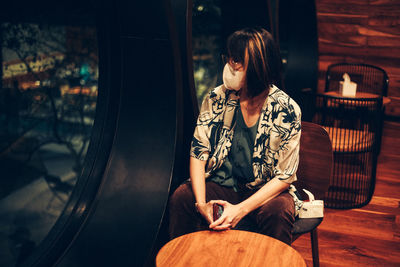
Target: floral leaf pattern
276, 147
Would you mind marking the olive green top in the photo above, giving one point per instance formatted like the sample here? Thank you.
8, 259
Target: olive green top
237, 168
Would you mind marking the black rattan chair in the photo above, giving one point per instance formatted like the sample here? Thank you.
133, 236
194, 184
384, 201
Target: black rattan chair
354, 126
370, 79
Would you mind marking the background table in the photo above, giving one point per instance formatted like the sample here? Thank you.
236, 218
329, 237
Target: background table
385, 100
227, 248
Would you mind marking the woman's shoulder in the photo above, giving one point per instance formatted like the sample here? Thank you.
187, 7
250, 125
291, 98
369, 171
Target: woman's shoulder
217, 92
213, 100
282, 99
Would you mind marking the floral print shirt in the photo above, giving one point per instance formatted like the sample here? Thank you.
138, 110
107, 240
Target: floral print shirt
277, 143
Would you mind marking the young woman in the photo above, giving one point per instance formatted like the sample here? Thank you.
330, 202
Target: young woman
245, 148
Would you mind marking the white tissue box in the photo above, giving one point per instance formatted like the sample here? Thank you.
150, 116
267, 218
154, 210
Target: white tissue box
348, 90
312, 208
347, 87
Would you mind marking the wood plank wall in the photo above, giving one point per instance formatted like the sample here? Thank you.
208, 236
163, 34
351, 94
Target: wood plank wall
361, 31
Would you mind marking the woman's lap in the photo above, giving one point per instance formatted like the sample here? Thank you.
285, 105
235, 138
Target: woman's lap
275, 218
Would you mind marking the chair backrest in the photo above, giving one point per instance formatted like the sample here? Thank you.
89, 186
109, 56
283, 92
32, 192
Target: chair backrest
369, 78
316, 160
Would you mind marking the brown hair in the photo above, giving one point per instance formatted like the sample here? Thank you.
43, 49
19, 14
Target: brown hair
257, 51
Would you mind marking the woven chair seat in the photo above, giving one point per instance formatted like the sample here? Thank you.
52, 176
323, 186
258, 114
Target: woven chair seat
349, 140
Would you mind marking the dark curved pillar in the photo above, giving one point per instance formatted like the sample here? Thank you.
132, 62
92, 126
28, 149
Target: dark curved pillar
124, 220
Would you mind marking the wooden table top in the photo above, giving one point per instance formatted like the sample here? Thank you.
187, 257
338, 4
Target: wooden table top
227, 248
385, 100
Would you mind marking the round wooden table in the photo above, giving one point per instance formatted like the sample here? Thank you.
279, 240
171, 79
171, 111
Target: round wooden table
227, 248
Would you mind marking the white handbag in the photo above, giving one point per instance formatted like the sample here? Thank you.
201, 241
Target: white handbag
312, 208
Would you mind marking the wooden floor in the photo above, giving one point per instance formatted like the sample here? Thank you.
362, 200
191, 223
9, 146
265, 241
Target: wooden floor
369, 236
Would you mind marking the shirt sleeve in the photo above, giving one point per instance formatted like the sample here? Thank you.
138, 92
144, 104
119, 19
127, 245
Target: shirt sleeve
200, 147
288, 154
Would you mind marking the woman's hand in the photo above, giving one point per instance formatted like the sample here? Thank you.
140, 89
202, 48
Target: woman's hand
206, 210
230, 217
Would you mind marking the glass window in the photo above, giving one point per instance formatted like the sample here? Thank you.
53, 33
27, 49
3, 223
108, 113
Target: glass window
48, 95
207, 46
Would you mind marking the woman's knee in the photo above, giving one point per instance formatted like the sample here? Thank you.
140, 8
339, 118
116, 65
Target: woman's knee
182, 195
278, 209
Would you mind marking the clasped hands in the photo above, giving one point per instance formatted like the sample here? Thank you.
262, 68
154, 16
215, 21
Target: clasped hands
229, 219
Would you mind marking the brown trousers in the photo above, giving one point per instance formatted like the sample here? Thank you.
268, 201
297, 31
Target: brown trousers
275, 218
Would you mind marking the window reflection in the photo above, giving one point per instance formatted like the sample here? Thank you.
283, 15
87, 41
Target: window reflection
48, 95
207, 45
